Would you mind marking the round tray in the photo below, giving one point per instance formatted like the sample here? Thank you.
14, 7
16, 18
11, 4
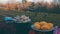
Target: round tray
32, 26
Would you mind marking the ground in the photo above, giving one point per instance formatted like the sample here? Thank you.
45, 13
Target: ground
35, 16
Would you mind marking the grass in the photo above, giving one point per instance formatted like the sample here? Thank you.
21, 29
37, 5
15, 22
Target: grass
35, 16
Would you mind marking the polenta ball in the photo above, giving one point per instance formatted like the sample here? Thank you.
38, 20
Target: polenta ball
50, 25
45, 27
36, 23
43, 23
37, 26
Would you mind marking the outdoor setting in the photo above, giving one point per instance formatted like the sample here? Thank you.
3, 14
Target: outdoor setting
29, 16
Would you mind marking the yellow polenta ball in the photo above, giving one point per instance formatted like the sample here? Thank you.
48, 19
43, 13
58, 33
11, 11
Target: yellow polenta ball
45, 27
43, 23
36, 23
37, 26
50, 25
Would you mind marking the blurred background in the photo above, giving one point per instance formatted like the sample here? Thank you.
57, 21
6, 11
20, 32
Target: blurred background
37, 10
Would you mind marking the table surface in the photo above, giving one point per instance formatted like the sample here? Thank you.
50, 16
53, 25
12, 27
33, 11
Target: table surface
21, 28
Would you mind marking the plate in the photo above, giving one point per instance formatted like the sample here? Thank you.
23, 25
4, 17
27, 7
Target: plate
32, 26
